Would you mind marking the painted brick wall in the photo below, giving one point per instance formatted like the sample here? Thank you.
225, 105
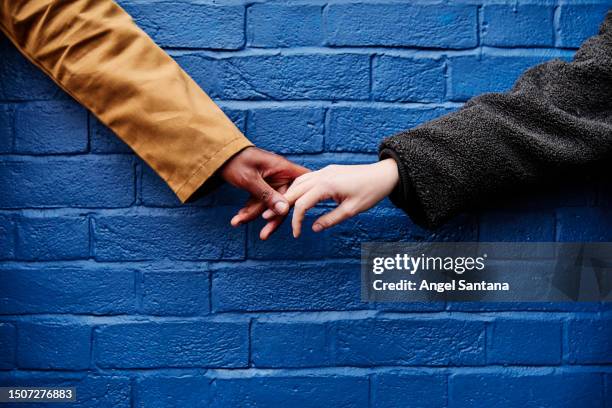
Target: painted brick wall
107, 284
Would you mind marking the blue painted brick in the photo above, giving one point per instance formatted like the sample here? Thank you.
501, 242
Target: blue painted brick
608, 391
472, 75
370, 342
517, 25
21, 80
172, 344
295, 130
402, 25
522, 341
408, 341
50, 127
342, 241
584, 224
577, 22
301, 391
275, 287
282, 77
522, 389
396, 389
7, 238
52, 238
156, 193
73, 182
284, 25
7, 117
8, 345
53, 346
361, 129
519, 226
289, 344
590, 340
70, 289
190, 24
401, 79
103, 140
175, 293
172, 392
176, 235
92, 390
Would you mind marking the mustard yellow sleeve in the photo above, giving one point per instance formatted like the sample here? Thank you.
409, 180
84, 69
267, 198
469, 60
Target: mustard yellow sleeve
96, 53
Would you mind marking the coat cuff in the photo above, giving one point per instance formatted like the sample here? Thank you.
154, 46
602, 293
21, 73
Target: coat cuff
185, 189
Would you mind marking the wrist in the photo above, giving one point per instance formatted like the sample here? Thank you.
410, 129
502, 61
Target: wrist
388, 174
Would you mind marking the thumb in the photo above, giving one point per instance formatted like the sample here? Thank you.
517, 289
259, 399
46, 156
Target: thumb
274, 200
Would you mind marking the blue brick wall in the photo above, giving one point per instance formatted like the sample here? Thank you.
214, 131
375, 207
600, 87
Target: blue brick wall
109, 285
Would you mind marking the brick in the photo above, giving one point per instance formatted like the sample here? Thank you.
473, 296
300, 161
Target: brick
176, 235
392, 390
402, 25
370, 342
590, 340
103, 140
516, 25
274, 287
21, 80
301, 391
282, 77
472, 75
433, 342
8, 345
281, 25
52, 238
344, 240
285, 131
608, 391
521, 341
92, 390
67, 182
7, 238
577, 22
156, 193
401, 79
175, 293
50, 127
180, 344
190, 24
302, 344
69, 289
172, 392
7, 117
53, 346
584, 224
517, 226
526, 390
361, 129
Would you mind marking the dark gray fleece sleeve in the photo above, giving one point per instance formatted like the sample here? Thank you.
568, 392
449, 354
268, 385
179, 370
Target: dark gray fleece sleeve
557, 119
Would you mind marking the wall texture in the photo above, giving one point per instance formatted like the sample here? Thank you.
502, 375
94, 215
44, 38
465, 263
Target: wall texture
106, 283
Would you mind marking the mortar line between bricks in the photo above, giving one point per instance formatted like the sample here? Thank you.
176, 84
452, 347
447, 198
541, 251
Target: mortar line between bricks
343, 370
300, 316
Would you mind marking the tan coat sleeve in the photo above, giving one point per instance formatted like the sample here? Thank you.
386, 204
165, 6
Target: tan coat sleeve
96, 53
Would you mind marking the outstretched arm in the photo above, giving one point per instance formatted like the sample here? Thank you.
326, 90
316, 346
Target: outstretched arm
95, 52
555, 122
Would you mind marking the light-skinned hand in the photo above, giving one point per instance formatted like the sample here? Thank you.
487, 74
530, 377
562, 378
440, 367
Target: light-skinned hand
355, 188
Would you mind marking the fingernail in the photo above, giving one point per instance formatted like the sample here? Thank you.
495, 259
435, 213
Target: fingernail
281, 207
267, 214
317, 228
235, 222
